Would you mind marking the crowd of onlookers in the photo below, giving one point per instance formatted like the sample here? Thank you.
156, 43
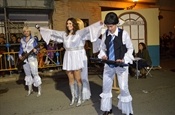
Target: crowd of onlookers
167, 44
10, 45
13, 40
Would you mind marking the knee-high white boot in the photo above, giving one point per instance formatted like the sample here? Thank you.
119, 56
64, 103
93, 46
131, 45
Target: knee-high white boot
79, 95
30, 90
72, 89
39, 91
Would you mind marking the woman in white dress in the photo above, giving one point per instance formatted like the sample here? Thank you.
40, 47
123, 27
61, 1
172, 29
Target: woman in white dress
73, 42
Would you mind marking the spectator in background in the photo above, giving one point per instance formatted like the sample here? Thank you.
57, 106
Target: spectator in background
2, 50
11, 58
50, 52
13, 39
2, 35
166, 44
2, 40
171, 35
18, 39
14, 47
2, 45
41, 55
145, 61
61, 50
13, 43
172, 43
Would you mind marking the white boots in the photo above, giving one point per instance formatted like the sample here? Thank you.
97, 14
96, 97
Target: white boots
73, 93
79, 96
30, 90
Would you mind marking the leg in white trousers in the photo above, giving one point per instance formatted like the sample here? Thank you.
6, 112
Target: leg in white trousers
125, 99
31, 69
106, 95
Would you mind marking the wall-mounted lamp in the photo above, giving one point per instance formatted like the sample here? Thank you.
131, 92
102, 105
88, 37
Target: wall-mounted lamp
132, 6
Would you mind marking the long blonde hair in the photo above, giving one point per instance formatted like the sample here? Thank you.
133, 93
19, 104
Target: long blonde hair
80, 23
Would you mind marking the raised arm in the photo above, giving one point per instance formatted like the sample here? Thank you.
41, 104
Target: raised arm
102, 48
48, 34
91, 32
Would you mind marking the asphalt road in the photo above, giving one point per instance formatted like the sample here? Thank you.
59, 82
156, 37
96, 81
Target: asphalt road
152, 96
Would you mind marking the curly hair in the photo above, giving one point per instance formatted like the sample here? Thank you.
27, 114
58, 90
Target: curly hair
74, 24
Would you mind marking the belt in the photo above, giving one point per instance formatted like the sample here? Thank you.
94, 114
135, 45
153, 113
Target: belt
76, 48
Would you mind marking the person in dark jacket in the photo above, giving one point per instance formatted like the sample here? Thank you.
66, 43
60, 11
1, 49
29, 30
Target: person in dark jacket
145, 61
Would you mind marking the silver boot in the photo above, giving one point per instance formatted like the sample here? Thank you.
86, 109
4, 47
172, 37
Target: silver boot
73, 94
79, 95
39, 91
76, 90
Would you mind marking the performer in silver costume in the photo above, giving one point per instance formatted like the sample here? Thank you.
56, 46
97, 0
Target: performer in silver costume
73, 41
30, 67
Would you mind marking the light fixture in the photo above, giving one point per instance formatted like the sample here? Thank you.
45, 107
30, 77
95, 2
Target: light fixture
135, 0
132, 6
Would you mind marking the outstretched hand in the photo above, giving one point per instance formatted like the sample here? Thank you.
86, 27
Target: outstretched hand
37, 26
34, 50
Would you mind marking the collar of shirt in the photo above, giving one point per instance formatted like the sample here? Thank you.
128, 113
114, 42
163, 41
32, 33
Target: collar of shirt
24, 38
113, 34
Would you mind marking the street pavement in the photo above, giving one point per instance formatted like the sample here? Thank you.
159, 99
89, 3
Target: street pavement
151, 96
